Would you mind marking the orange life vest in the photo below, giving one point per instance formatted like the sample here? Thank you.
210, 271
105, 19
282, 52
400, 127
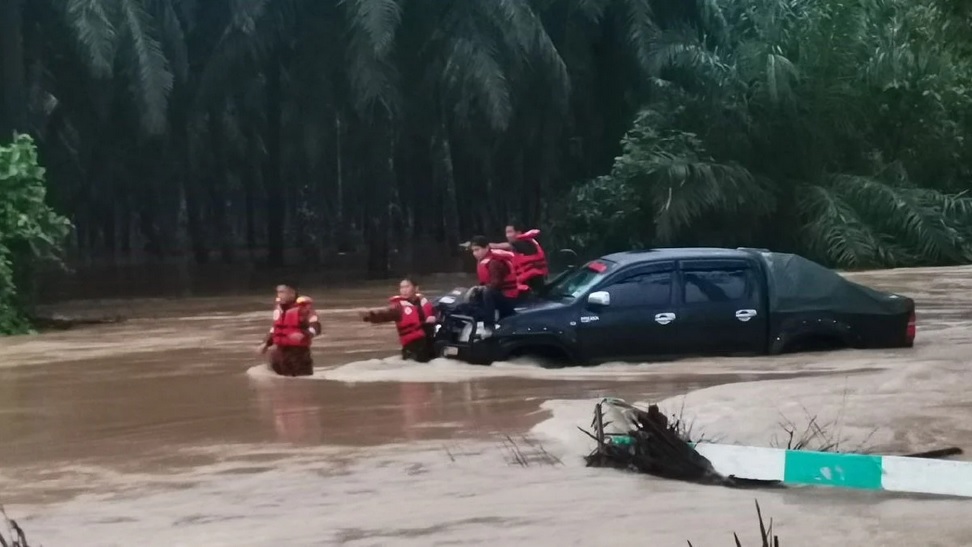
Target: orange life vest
509, 287
287, 322
527, 267
411, 324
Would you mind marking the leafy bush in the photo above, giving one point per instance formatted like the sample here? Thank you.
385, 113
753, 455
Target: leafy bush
29, 229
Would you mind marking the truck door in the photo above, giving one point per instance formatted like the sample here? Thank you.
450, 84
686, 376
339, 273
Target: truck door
639, 321
721, 307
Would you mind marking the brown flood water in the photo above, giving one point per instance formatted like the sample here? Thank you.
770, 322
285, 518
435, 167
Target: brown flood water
174, 387
135, 395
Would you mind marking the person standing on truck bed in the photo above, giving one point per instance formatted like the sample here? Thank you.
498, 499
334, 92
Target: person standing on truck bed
494, 269
414, 317
529, 259
295, 324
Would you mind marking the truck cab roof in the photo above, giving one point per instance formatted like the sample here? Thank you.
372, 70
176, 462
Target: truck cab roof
675, 253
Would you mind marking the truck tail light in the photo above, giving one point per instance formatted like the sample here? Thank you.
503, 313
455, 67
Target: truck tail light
911, 328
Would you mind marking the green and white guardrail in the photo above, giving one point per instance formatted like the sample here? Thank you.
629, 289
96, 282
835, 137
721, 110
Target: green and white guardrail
856, 471
805, 467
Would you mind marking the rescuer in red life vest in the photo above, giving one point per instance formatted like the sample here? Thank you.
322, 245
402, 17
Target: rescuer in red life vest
414, 317
529, 260
494, 269
295, 324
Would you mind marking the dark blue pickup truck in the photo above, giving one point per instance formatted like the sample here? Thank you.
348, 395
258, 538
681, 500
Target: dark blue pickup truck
664, 303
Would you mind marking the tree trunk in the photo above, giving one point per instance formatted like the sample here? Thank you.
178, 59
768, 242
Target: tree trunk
379, 201
341, 235
442, 158
217, 189
13, 97
272, 176
338, 137
197, 233
124, 215
250, 187
150, 229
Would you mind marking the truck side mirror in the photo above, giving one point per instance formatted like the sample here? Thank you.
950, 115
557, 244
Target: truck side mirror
599, 298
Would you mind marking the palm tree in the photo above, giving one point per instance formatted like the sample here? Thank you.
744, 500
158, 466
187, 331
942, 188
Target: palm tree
762, 131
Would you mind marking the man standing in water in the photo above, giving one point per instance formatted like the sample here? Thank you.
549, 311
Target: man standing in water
414, 318
295, 324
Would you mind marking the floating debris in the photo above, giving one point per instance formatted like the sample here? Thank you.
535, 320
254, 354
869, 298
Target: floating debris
15, 533
766, 535
630, 438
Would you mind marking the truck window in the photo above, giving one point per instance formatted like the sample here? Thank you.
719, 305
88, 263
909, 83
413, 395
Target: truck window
652, 290
580, 280
721, 285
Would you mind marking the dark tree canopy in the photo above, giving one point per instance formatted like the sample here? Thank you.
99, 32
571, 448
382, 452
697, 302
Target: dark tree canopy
293, 130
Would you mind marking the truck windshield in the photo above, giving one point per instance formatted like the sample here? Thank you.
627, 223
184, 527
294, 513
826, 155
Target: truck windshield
576, 283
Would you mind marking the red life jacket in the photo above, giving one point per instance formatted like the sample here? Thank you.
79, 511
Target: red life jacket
411, 324
509, 287
527, 267
287, 322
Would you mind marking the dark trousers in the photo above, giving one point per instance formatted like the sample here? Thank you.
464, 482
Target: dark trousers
535, 283
419, 350
494, 301
291, 361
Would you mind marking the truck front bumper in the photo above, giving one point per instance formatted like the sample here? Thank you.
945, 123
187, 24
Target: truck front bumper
464, 340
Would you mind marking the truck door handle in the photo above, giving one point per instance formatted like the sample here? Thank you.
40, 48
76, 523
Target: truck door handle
664, 318
745, 315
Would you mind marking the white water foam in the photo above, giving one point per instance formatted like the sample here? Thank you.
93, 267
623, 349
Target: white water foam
395, 369
915, 403
471, 495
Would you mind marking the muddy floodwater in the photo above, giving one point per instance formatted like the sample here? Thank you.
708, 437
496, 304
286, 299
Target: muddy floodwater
166, 429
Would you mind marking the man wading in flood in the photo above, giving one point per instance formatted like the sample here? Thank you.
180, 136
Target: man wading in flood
414, 317
295, 324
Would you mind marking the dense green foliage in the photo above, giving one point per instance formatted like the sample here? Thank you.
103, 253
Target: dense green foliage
246, 130
840, 130
29, 229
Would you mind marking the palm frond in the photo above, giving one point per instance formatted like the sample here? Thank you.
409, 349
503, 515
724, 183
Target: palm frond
373, 25
247, 14
378, 20
591, 10
914, 215
681, 181
681, 48
832, 229
173, 36
780, 75
245, 37
524, 33
685, 189
641, 30
153, 77
91, 21
472, 70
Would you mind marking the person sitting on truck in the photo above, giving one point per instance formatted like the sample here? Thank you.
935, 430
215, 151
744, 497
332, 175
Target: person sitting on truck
529, 259
414, 317
494, 269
